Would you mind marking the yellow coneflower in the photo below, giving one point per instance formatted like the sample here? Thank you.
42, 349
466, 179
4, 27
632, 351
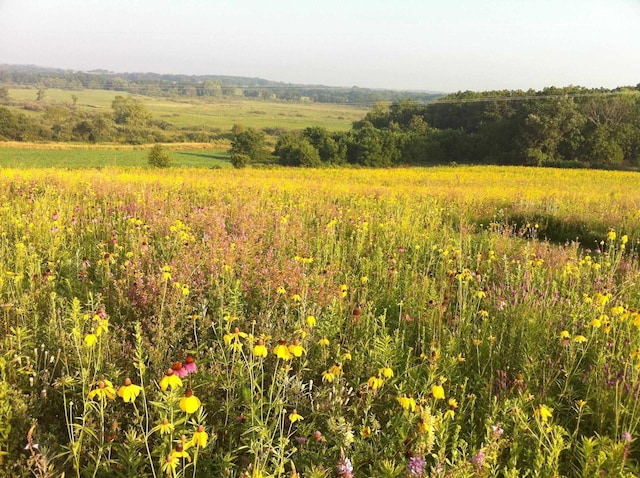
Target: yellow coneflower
165, 427
294, 416
90, 340
281, 350
103, 391
200, 437
170, 380
408, 403
129, 391
375, 383
386, 372
189, 403
437, 391
260, 350
296, 349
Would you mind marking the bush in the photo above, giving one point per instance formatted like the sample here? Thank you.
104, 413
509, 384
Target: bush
159, 157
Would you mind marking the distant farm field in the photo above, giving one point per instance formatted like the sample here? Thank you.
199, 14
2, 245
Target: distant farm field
222, 114
70, 157
454, 322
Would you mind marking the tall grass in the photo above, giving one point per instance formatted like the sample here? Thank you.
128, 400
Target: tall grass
342, 323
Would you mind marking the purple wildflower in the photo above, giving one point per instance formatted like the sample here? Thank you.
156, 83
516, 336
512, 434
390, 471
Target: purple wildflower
179, 370
344, 468
478, 459
189, 365
417, 466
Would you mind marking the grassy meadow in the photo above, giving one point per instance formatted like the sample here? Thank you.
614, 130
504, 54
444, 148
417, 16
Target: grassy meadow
70, 156
446, 322
214, 113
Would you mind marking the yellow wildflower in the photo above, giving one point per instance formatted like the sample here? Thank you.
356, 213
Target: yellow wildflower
170, 465
170, 380
103, 391
408, 403
323, 342
129, 391
90, 340
282, 351
311, 321
543, 412
200, 437
296, 349
386, 372
189, 403
375, 383
580, 339
165, 427
294, 416
328, 376
234, 337
437, 391
103, 325
260, 350
180, 452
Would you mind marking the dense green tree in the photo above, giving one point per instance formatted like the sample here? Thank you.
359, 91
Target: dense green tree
331, 147
248, 146
129, 111
373, 147
293, 149
131, 118
552, 131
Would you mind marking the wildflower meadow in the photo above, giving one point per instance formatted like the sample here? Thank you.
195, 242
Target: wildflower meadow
443, 322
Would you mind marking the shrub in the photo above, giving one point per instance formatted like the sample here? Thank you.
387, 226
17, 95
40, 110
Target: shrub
159, 157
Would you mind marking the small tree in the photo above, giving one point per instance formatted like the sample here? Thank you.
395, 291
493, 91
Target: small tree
159, 157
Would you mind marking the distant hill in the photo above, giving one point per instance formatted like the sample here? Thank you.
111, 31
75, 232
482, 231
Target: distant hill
178, 85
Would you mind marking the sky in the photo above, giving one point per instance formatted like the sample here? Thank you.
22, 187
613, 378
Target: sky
445, 45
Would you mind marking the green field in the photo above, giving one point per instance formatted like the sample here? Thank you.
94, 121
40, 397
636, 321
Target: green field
95, 158
214, 113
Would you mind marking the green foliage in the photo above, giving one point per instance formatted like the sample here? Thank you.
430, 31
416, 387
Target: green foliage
331, 147
159, 157
293, 149
248, 146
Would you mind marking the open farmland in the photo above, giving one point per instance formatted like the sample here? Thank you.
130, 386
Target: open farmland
257, 323
213, 113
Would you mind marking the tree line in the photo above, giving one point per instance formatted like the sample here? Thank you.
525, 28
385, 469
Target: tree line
128, 122
561, 127
191, 86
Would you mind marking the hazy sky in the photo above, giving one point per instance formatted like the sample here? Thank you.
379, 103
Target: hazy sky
445, 45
